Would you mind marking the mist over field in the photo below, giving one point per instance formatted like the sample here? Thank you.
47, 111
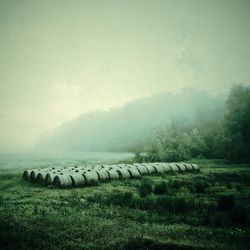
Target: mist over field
65, 63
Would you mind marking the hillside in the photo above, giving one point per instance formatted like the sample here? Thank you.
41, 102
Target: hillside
121, 127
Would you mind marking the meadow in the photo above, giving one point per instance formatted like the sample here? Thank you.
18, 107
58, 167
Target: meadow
208, 209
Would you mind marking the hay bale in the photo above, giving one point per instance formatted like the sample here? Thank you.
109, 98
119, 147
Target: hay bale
62, 181
174, 167
134, 172
91, 177
182, 167
103, 175
151, 169
49, 178
167, 167
113, 175
195, 166
123, 173
189, 167
33, 175
26, 175
142, 169
41, 177
159, 168
77, 180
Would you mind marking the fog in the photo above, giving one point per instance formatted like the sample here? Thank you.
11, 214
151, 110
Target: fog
96, 75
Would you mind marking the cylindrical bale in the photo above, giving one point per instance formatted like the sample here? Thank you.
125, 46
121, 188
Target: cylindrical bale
174, 167
33, 174
181, 166
103, 175
151, 169
195, 166
49, 178
123, 173
113, 175
134, 172
77, 180
62, 181
189, 167
128, 166
90, 177
26, 174
142, 169
159, 168
166, 167
41, 177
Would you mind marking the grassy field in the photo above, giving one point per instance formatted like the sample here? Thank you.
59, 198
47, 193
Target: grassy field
203, 210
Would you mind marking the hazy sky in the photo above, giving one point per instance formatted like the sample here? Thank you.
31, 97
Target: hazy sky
60, 58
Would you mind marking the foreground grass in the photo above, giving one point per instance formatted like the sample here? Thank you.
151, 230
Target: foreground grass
204, 210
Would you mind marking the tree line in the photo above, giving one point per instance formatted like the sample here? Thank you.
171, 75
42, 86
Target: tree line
225, 135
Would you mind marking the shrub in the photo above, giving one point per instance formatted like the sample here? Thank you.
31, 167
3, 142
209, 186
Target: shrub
239, 216
226, 202
200, 187
145, 188
120, 199
161, 188
229, 185
175, 184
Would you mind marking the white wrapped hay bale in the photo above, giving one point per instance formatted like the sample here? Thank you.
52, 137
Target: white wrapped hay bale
33, 175
41, 177
174, 167
159, 168
189, 167
151, 169
62, 181
77, 180
181, 166
103, 175
49, 178
142, 169
195, 166
91, 177
167, 167
134, 172
113, 175
26, 175
123, 174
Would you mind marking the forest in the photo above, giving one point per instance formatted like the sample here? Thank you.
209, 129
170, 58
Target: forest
224, 136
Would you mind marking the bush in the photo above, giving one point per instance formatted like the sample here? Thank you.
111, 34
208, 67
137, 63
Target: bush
239, 216
161, 188
175, 184
145, 189
121, 199
226, 202
200, 187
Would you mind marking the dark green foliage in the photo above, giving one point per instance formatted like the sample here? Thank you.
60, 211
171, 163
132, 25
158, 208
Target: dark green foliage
237, 123
226, 202
239, 216
145, 188
141, 243
219, 132
162, 188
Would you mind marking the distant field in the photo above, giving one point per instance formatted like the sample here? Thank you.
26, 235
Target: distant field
203, 210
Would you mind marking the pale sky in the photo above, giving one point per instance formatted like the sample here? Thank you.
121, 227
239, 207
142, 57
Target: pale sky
60, 59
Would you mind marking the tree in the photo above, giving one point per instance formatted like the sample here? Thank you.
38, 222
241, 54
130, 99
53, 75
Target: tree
237, 123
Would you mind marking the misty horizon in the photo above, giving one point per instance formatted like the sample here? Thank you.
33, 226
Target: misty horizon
62, 59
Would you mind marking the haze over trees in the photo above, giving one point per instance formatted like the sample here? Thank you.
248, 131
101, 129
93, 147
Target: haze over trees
164, 127
218, 133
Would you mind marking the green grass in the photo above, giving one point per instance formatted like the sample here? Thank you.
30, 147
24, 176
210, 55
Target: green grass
203, 210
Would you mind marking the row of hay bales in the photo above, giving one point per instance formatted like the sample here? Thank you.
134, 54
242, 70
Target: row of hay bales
78, 176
